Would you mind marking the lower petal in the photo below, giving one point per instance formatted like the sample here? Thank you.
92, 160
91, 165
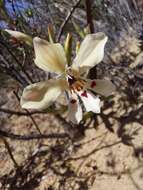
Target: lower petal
90, 101
102, 87
42, 94
74, 110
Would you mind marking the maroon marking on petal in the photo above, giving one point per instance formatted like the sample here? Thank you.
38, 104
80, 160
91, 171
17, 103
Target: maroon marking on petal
93, 84
84, 94
73, 101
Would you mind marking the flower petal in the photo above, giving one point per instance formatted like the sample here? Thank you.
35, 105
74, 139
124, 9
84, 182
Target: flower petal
40, 95
90, 101
20, 36
49, 57
102, 87
91, 51
74, 110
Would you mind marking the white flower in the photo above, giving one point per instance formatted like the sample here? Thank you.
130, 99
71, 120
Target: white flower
51, 58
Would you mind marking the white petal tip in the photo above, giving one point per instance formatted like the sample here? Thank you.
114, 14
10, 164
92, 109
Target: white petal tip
37, 40
98, 111
9, 31
23, 105
98, 36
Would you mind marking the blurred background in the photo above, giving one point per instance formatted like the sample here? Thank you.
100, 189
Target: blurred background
104, 150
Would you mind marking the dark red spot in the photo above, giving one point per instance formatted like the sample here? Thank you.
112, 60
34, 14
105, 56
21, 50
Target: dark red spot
13, 40
73, 101
84, 94
71, 80
93, 84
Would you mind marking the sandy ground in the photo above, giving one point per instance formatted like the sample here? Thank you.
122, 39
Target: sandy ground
106, 152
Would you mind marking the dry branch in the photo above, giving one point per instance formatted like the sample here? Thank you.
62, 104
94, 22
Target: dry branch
66, 20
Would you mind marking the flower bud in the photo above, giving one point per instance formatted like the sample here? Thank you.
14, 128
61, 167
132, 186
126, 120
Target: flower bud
20, 36
68, 47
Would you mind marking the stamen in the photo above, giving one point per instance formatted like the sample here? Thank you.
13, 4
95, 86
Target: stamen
93, 84
71, 80
82, 81
79, 88
75, 84
84, 94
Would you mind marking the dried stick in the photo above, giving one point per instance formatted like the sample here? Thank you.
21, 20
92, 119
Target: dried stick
11, 71
89, 15
33, 137
93, 72
17, 61
20, 113
9, 151
66, 20
32, 119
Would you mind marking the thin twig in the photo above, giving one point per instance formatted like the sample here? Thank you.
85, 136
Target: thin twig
17, 61
67, 19
93, 71
20, 113
32, 119
34, 136
12, 71
89, 15
9, 151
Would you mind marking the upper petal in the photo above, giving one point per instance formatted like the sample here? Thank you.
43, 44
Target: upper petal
91, 51
90, 101
49, 57
103, 87
20, 36
74, 109
40, 95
